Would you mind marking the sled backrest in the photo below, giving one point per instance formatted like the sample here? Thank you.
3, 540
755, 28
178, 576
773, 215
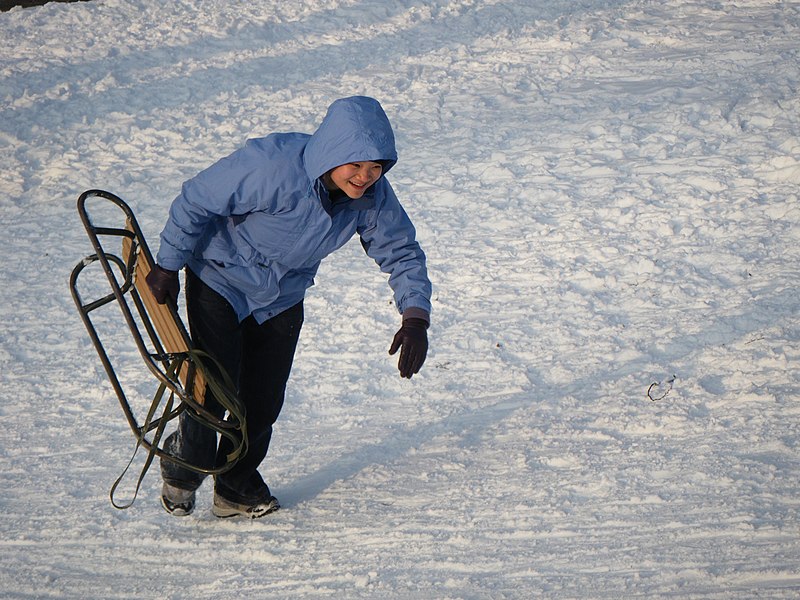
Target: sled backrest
172, 337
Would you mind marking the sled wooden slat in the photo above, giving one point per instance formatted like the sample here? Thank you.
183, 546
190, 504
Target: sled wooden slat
163, 320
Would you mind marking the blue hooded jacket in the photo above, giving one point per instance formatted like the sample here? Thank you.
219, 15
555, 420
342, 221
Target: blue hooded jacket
256, 225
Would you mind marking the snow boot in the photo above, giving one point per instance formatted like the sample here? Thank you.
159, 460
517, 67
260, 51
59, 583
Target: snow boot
224, 508
177, 501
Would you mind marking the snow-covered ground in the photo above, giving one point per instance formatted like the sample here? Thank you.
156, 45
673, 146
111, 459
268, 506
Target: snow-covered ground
607, 191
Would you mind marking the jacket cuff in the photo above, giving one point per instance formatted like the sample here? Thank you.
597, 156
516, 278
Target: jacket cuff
414, 312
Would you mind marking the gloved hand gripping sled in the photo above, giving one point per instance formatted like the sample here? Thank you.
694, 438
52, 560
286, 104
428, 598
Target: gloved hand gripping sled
182, 371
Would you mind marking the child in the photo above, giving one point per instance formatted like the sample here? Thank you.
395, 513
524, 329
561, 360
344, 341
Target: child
251, 231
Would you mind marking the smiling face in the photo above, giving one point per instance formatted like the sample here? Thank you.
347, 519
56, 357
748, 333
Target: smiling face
353, 178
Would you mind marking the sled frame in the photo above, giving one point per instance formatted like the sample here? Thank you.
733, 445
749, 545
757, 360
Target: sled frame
181, 370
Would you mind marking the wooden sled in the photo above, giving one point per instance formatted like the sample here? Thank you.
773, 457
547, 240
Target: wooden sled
182, 372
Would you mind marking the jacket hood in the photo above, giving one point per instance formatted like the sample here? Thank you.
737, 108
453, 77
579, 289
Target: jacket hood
354, 129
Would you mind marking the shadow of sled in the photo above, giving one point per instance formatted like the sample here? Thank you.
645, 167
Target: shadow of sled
183, 372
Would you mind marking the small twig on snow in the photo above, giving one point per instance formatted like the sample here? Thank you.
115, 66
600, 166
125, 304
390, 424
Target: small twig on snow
657, 385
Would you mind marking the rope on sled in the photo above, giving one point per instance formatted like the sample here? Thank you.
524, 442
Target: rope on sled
224, 393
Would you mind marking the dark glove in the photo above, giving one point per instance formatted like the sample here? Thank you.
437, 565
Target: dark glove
163, 284
413, 337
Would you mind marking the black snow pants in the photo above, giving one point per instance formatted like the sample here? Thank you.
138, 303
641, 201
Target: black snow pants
256, 356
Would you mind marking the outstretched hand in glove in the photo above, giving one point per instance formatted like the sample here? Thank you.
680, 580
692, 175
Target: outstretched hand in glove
412, 341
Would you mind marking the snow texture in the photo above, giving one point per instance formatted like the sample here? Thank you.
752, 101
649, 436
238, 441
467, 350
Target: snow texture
607, 191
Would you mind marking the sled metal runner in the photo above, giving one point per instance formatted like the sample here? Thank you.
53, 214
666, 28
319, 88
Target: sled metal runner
183, 373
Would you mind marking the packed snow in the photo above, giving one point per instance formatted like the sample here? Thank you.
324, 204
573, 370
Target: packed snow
607, 192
